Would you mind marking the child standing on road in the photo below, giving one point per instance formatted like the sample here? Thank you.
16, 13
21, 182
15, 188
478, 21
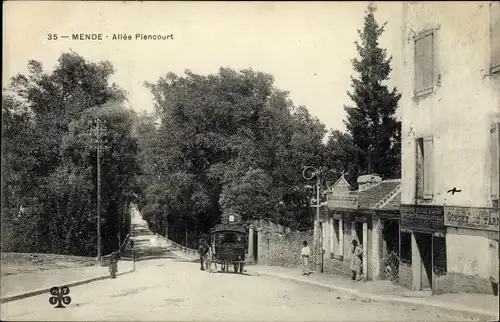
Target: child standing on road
304, 254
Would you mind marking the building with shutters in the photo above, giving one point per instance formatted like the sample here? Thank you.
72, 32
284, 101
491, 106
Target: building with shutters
450, 146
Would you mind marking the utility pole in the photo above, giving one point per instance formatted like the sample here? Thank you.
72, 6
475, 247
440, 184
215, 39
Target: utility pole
98, 189
317, 237
318, 247
98, 130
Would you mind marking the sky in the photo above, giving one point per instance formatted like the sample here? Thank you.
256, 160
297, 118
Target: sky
306, 46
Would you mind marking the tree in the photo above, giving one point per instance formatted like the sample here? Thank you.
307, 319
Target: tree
371, 122
227, 142
49, 159
342, 157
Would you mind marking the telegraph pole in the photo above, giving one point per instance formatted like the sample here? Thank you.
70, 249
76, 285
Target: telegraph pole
98, 189
319, 266
98, 131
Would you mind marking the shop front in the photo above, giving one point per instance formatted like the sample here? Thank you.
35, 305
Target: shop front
422, 246
473, 255
342, 204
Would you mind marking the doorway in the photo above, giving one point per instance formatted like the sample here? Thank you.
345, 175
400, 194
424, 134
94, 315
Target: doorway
494, 260
424, 245
358, 235
390, 249
358, 229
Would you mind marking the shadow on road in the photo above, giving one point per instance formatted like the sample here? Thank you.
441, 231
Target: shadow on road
232, 273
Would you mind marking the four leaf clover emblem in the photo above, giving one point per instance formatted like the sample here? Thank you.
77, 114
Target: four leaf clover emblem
59, 296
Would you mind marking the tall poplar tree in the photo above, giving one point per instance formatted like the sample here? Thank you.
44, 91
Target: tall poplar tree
371, 122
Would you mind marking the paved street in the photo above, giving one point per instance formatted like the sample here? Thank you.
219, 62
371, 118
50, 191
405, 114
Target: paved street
165, 287
170, 289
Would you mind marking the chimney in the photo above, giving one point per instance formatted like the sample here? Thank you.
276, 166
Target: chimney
368, 180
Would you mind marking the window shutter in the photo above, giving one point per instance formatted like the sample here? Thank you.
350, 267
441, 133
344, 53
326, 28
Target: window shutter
424, 63
419, 168
428, 168
495, 33
495, 161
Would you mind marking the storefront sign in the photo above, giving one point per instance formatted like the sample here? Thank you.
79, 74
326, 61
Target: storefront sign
343, 201
426, 218
472, 217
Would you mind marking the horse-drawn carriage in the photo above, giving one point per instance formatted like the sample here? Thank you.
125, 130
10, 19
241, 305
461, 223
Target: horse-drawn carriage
228, 246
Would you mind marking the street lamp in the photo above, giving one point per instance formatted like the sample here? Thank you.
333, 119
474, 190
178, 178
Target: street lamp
315, 173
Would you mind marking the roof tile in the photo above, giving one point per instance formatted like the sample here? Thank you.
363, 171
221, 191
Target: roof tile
369, 198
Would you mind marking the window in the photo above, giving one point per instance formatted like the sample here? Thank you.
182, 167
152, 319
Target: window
425, 171
495, 161
424, 63
495, 36
405, 247
439, 254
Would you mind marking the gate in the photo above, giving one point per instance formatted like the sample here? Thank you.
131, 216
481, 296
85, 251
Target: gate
391, 266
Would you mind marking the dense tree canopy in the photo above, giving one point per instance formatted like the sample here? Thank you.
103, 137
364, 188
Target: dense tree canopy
49, 158
226, 143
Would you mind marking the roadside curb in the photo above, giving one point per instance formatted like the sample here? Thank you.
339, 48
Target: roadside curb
485, 315
47, 289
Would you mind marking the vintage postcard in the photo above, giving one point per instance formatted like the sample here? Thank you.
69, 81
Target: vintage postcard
250, 161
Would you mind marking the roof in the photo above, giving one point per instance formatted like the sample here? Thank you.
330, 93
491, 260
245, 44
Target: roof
381, 196
340, 184
394, 203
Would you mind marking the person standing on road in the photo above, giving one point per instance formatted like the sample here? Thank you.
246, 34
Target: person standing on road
356, 261
304, 254
113, 265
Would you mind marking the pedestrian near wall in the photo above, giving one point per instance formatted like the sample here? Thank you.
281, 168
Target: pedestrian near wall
304, 254
113, 264
356, 261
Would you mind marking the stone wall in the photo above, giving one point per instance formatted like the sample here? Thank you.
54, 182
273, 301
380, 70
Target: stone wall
459, 283
405, 275
278, 249
337, 266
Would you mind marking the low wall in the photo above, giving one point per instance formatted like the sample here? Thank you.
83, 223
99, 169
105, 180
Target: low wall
277, 249
337, 266
405, 275
459, 283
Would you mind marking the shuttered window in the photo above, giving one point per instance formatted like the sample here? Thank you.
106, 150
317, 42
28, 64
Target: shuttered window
424, 63
428, 168
495, 35
495, 161
419, 175
425, 168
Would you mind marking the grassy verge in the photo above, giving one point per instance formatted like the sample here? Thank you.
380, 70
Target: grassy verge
19, 263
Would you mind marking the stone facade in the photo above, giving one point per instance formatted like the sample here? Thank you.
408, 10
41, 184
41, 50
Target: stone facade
450, 111
283, 249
